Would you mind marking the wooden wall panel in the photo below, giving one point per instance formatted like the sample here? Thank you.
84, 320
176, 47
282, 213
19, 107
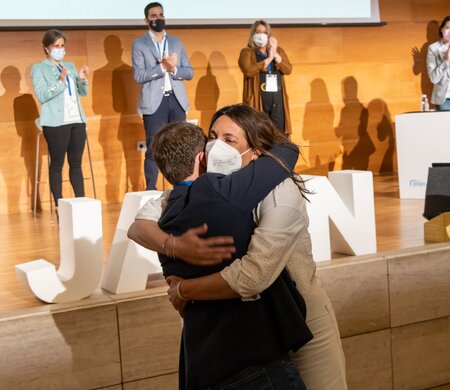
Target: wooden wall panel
343, 79
424, 10
395, 11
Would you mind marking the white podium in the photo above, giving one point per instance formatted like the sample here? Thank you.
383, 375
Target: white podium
422, 138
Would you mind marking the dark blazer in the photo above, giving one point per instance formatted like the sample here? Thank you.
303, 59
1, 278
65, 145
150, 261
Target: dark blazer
224, 337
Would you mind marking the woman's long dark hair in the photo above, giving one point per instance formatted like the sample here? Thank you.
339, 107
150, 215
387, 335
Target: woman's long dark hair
261, 134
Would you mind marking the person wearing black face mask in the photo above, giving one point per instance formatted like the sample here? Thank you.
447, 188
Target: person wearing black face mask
160, 64
157, 25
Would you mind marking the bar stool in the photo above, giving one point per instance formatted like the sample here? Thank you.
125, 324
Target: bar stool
37, 180
37, 171
90, 165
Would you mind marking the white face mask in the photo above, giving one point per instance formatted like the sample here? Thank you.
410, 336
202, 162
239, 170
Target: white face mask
222, 158
58, 53
260, 39
446, 34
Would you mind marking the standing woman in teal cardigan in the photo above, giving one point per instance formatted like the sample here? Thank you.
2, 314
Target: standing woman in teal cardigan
58, 87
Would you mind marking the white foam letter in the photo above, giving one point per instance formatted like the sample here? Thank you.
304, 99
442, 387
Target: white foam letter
130, 264
81, 252
346, 200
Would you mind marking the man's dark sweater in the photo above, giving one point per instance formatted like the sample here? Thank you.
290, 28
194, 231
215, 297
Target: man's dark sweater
223, 337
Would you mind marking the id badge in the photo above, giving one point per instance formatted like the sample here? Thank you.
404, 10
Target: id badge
73, 107
271, 83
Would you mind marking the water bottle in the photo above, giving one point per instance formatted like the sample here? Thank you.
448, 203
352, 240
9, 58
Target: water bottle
425, 105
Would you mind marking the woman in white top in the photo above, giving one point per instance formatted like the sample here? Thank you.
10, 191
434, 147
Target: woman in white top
438, 66
58, 87
280, 240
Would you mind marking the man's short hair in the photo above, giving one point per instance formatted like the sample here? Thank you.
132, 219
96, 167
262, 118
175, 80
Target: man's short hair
174, 149
151, 5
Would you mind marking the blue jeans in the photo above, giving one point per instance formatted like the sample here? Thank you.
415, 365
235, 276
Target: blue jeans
444, 106
278, 374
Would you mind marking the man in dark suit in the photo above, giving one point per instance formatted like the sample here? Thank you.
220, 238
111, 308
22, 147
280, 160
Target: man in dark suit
160, 64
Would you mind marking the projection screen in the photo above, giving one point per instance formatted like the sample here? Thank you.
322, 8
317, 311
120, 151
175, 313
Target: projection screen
48, 13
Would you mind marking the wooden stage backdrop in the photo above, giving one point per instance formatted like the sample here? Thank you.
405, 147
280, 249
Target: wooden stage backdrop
347, 85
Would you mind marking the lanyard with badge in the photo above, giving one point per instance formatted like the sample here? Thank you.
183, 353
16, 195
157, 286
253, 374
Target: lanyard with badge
72, 104
167, 80
271, 84
60, 68
161, 54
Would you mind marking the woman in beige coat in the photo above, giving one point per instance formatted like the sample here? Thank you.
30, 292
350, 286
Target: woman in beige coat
264, 65
280, 240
